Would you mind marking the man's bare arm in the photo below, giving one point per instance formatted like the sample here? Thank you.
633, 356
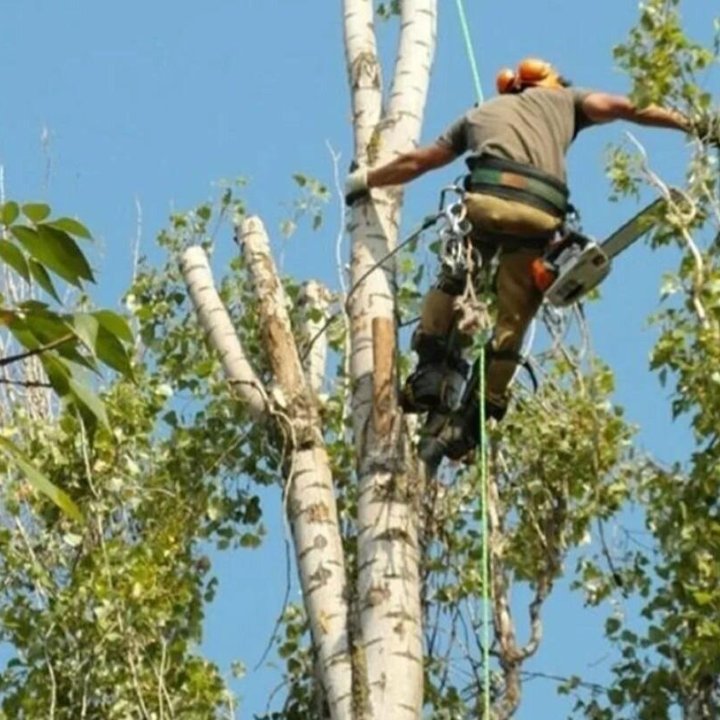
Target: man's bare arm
410, 165
603, 107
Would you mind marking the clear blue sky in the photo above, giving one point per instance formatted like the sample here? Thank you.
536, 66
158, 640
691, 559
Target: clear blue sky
153, 102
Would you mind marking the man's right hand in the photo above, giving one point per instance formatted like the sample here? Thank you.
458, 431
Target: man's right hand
356, 185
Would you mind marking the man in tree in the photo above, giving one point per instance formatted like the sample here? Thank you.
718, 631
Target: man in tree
516, 201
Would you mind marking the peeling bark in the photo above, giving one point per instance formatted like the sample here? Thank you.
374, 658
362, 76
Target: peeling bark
384, 395
311, 499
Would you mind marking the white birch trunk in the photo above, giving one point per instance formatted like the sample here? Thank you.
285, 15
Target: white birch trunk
317, 298
364, 73
388, 591
216, 323
311, 499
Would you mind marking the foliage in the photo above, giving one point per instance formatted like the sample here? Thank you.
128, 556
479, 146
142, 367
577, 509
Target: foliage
670, 660
104, 617
561, 461
310, 203
104, 613
37, 248
36, 251
386, 10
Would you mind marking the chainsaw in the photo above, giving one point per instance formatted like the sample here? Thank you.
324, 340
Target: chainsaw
575, 264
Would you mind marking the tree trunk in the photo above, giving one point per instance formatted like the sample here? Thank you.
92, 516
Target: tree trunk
309, 491
388, 590
385, 678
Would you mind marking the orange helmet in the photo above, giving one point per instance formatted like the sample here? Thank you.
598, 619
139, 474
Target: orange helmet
531, 72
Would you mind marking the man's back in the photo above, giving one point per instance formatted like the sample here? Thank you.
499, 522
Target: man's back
534, 127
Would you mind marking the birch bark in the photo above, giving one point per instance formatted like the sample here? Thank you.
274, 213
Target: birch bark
388, 588
309, 489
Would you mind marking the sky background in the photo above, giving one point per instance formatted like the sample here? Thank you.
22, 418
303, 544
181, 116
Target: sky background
111, 107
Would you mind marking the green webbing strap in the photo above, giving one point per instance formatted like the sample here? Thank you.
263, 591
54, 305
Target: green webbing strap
470, 51
502, 179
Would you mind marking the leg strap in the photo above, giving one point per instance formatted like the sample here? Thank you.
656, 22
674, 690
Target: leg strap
516, 357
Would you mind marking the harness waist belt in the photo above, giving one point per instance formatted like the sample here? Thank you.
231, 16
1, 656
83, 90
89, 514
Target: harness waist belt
516, 181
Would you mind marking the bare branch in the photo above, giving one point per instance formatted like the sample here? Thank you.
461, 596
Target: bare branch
36, 351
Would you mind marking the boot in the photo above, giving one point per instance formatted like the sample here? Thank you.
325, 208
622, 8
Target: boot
456, 434
453, 435
437, 381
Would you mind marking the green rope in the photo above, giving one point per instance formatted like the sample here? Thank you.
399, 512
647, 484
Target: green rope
470, 51
482, 455
482, 459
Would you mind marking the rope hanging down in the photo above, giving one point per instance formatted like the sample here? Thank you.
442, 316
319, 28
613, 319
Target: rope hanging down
482, 455
482, 459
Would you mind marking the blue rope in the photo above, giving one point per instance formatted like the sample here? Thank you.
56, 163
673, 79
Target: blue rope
470, 51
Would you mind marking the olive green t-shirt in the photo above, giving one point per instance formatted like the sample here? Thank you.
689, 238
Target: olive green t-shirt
534, 127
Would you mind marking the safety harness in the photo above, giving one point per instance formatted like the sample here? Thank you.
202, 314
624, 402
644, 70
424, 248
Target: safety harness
516, 181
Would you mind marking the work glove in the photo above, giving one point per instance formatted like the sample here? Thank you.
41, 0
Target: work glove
356, 187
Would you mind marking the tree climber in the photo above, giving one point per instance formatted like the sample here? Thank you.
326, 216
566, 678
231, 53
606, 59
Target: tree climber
516, 200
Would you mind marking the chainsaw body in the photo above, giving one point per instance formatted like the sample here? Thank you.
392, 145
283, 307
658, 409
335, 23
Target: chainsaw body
576, 264
574, 267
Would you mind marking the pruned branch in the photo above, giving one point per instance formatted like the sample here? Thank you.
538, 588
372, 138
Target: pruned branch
316, 298
309, 487
216, 323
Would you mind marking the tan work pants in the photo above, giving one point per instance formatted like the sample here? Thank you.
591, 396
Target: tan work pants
517, 297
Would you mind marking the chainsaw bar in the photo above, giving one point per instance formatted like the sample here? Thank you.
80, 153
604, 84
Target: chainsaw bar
632, 230
577, 264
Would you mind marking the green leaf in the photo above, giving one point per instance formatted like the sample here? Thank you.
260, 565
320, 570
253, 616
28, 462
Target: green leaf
45, 325
86, 327
70, 226
42, 278
39, 481
57, 251
36, 212
112, 352
58, 373
13, 256
89, 400
103, 344
702, 597
9, 212
114, 323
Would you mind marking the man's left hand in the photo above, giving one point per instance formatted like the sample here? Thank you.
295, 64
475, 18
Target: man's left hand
356, 186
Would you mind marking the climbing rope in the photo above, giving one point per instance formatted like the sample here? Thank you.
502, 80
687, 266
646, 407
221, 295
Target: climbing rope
470, 51
482, 455
482, 459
